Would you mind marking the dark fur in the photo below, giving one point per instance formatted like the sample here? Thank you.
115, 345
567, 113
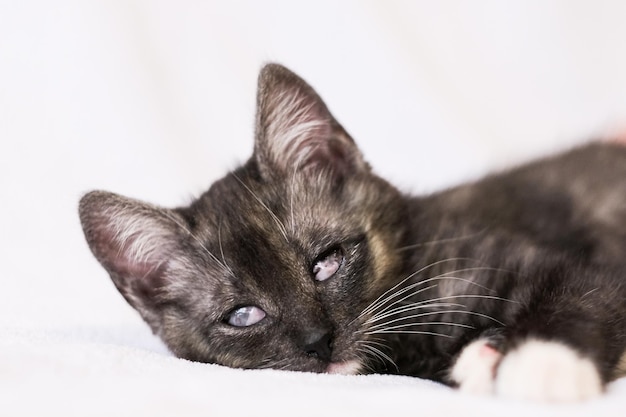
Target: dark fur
545, 243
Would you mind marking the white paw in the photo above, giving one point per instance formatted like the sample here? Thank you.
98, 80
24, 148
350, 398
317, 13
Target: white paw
474, 369
547, 371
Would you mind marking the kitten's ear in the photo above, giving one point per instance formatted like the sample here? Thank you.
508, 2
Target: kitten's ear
296, 132
134, 242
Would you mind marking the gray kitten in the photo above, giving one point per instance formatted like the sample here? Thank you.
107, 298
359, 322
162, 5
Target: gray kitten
303, 259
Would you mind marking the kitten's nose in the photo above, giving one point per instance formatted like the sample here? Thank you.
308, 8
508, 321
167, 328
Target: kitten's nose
317, 343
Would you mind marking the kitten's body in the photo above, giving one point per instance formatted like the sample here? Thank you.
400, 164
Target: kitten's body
549, 237
303, 259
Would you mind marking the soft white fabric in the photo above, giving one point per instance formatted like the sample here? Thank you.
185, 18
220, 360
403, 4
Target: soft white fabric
155, 100
124, 371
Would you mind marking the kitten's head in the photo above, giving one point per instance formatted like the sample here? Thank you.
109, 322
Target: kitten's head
274, 264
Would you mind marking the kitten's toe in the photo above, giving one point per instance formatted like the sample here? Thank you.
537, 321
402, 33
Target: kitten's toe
474, 369
547, 371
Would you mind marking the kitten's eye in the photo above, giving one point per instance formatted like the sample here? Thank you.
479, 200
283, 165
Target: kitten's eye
327, 265
245, 316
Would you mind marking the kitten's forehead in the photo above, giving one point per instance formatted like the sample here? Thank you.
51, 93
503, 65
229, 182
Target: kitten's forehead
293, 207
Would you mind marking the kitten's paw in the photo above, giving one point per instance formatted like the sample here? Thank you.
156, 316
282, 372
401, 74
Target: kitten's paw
474, 370
547, 371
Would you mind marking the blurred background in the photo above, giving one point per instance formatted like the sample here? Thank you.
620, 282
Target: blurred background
155, 100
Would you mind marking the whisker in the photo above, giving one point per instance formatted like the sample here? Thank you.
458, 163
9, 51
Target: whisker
386, 312
411, 294
425, 303
413, 316
409, 332
363, 359
410, 287
194, 237
366, 350
417, 284
432, 323
432, 313
408, 307
445, 276
281, 226
414, 293
377, 302
370, 341
219, 239
270, 363
439, 241
476, 268
487, 297
428, 303
382, 355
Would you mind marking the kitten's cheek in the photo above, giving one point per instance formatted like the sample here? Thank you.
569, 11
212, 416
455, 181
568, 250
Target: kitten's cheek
344, 368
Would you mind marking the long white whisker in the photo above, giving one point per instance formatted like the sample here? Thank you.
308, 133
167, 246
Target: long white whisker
410, 332
439, 241
409, 307
194, 237
487, 297
281, 226
365, 355
219, 239
441, 277
432, 323
385, 312
382, 345
431, 313
384, 356
281, 364
369, 352
428, 303
410, 287
480, 268
412, 294
413, 316
377, 302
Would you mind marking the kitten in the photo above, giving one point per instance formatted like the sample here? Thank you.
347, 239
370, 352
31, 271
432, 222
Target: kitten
303, 259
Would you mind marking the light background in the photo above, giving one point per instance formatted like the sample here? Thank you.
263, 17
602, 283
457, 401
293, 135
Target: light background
155, 100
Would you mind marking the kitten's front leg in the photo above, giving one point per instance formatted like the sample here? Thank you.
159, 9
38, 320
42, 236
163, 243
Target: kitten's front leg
536, 370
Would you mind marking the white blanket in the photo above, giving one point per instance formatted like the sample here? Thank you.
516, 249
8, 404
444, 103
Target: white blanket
127, 372
155, 100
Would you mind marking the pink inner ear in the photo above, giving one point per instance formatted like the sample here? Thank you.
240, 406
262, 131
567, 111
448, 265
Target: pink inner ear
138, 270
331, 155
134, 245
297, 124
295, 130
134, 242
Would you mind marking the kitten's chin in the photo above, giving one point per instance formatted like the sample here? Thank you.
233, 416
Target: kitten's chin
344, 368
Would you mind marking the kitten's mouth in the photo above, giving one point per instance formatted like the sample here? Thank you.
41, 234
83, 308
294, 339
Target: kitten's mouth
344, 368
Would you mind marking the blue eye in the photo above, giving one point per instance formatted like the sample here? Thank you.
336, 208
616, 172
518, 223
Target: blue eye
245, 316
328, 265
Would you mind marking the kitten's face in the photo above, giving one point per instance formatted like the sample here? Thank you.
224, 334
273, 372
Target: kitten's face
273, 265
